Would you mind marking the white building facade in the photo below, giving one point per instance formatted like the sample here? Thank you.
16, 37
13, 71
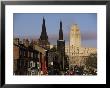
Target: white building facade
77, 54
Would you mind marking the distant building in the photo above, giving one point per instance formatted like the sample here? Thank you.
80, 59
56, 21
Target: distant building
77, 54
61, 48
51, 46
43, 40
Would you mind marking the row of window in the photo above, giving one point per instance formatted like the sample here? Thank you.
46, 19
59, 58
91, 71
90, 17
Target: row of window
25, 53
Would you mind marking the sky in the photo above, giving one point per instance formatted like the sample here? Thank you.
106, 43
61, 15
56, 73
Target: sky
30, 25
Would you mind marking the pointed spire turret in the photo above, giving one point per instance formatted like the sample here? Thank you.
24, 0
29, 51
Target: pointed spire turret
61, 49
43, 35
43, 21
60, 32
60, 25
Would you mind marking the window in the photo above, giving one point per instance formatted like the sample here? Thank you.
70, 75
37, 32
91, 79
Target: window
31, 63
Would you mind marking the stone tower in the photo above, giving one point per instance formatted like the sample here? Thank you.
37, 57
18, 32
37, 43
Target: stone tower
43, 40
74, 44
75, 37
61, 48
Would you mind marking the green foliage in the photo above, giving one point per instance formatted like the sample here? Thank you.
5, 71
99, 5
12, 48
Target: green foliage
92, 61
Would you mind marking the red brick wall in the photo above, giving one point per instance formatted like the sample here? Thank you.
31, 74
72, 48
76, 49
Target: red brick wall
15, 52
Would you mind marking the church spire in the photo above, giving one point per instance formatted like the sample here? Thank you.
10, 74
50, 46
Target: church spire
61, 49
43, 21
60, 32
43, 35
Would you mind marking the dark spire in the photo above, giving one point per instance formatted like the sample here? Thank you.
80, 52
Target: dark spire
60, 32
60, 25
43, 21
43, 35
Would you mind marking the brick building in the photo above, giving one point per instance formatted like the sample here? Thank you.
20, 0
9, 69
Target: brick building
28, 60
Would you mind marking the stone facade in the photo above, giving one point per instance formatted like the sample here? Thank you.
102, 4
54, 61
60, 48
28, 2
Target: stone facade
77, 54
